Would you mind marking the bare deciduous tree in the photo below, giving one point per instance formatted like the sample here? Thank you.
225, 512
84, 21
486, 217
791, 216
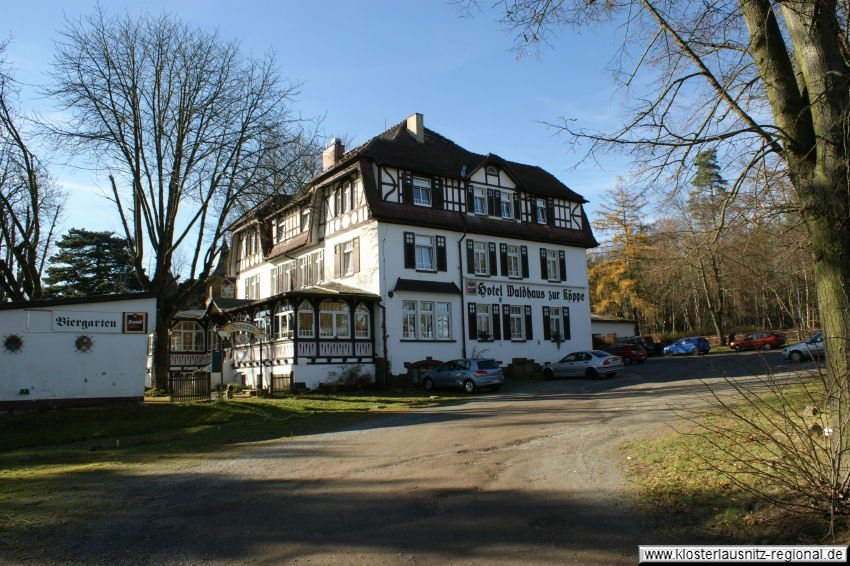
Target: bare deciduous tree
184, 124
29, 203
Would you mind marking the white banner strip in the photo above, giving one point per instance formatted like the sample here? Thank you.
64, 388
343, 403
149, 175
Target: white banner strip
742, 554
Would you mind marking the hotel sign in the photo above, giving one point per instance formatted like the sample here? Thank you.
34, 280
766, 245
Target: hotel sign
486, 289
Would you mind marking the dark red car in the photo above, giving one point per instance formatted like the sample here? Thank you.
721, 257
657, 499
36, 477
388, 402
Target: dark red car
758, 341
629, 352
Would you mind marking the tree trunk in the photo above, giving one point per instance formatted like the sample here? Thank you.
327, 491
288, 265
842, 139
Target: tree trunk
161, 356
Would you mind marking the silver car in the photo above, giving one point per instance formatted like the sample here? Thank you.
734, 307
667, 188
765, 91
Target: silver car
588, 363
468, 374
810, 349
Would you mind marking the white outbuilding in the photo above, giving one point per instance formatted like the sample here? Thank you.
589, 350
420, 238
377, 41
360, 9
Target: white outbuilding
74, 351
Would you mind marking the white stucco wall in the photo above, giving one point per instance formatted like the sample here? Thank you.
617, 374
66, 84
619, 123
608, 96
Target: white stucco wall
620, 328
49, 366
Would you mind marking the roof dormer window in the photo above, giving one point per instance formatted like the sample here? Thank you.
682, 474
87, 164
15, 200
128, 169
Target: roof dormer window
492, 170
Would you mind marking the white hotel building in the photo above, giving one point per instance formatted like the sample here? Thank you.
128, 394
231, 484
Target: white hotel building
406, 247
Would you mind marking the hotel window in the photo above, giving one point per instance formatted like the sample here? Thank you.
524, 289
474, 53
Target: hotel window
318, 266
333, 319
306, 321
347, 254
305, 220
556, 323
252, 287
347, 258
443, 321
553, 265
421, 191
479, 201
282, 321
187, 336
514, 261
426, 320
517, 319
424, 253
483, 322
408, 320
480, 258
361, 322
507, 205
540, 207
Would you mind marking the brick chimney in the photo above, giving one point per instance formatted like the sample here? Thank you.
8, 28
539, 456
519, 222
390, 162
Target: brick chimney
416, 127
332, 154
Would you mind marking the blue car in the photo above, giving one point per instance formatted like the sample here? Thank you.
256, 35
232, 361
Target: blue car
685, 346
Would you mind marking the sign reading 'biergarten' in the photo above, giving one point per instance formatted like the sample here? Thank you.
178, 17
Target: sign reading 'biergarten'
88, 322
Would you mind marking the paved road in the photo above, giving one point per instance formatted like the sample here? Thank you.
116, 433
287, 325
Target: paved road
531, 475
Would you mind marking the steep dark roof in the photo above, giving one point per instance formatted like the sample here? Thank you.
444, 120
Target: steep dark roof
418, 286
75, 300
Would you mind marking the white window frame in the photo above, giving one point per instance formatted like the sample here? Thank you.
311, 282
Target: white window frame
305, 312
338, 314
553, 270
421, 191
182, 330
362, 316
283, 321
347, 252
252, 287
555, 323
479, 201
540, 207
408, 320
425, 243
507, 205
443, 321
480, 258
425, 320
514, 261
483, 320
517, 322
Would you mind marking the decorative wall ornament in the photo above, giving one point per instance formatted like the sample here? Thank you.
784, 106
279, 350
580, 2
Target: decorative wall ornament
83, 343
13, 343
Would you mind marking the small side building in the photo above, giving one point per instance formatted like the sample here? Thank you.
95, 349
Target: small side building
74, 351
603, 326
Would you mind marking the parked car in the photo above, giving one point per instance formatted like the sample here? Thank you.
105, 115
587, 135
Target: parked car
758, 341
629, 352
468, 374
646, 341
810, 349
689, 345
587, 363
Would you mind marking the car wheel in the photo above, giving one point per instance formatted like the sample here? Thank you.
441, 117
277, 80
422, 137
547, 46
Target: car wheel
695, 351
737, 348
797, 356
641, 361
495, 388
627, 361
767, 346
591, 373
429, 384
469, 386
548, 374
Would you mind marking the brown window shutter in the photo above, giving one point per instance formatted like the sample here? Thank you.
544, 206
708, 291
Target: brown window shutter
524, 258
470, 199
472, 321
441, 254
437, 194
506, 321
544, 274
491, 247
529, 334
566, 316
407, 188
497, 203
355, 255
491, 209
550, 212
517, 206
547, 333
409, 250
470, 256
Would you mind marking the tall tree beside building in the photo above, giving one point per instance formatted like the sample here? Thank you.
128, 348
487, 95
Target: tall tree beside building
614, 272
29, 202
709, 205
90, 263
184, 123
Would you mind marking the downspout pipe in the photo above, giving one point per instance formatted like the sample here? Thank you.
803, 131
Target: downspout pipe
461, 286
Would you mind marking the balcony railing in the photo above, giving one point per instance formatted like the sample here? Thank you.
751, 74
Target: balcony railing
190, 359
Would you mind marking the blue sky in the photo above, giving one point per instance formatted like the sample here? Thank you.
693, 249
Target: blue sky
367, 65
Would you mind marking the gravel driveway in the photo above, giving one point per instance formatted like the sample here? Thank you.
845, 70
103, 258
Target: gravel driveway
529, 475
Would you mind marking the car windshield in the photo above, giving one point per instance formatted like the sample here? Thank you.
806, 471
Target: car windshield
600, 353
488, 364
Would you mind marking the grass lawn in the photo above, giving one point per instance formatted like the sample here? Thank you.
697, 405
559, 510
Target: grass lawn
690, 475
53, 463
